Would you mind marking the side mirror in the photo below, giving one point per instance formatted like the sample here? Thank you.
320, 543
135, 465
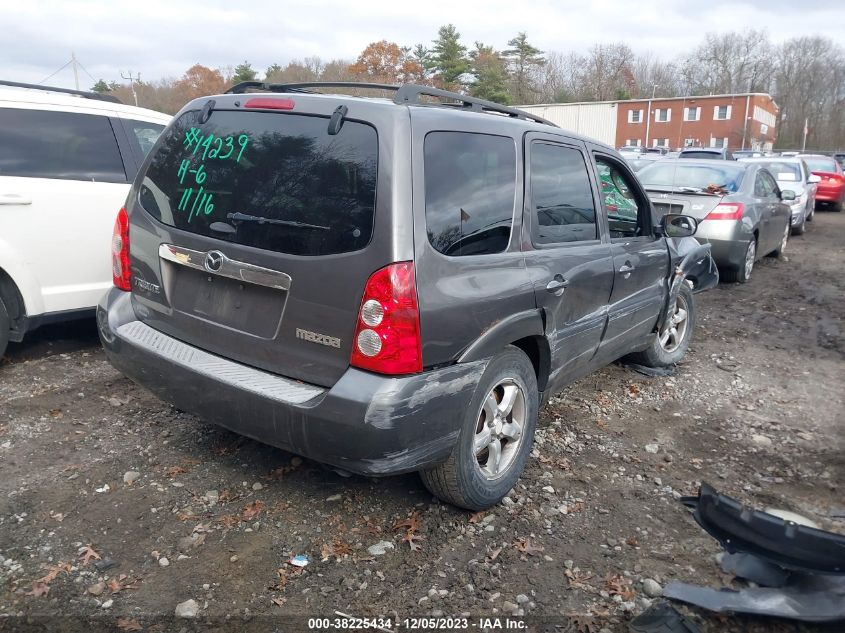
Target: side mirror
813, 178
676, 225
787, 195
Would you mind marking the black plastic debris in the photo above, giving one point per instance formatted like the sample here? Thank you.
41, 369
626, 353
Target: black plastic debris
662, 617
801, 569
804, 597
652, 372
784, 543
755, 569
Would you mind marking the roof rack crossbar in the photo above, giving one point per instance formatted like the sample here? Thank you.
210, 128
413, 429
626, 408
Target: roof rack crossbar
405, 94
80, 93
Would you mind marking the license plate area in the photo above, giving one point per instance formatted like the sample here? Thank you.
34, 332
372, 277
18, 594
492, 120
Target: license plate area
242, 306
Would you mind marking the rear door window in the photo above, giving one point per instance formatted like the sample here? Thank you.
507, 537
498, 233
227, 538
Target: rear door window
561, 195
142, 136
470, 188
268, 180
60, 145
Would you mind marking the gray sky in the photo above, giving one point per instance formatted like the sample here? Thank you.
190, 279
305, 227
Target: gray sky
160, 38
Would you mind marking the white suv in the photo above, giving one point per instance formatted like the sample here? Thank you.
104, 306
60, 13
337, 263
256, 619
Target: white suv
67, 159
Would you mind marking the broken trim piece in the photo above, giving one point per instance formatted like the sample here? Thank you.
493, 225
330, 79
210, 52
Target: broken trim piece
785, 543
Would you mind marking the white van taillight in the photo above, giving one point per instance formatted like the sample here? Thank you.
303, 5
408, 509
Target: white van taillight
121, 273
387, 334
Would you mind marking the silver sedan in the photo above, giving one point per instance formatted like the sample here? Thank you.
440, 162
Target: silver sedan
743, 213
793, 174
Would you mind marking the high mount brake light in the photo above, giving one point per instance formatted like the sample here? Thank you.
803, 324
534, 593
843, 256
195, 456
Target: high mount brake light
387, 333
726, 211
121, 271
270, 103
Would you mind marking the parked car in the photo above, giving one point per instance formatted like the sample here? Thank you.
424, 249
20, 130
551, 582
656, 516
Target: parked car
793, 174
66, 161
632, 151
638, 161
748, 153
742, 212
840, 158
831, 187
378, 293
718, 153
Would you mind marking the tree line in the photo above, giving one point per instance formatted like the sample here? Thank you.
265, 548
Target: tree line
805, 75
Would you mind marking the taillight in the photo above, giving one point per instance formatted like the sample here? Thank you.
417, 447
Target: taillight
838, 179
726, 211
387, 334
121, 274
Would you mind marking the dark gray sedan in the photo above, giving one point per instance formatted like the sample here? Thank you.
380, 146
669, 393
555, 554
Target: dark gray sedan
740, 207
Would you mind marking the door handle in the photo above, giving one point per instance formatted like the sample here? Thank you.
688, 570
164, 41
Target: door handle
13, 198
626, 269
557, 285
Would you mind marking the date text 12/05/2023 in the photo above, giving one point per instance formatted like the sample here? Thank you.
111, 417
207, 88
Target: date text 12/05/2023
200, 200
421, 624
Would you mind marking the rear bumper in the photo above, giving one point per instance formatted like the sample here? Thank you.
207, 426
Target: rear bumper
366, 423
728, 240
830, 193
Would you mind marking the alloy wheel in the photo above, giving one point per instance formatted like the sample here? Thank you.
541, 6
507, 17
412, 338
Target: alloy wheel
750, 255
498, 432
675, 330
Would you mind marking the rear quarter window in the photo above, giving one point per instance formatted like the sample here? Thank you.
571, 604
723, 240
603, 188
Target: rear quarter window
268, 180
470, 187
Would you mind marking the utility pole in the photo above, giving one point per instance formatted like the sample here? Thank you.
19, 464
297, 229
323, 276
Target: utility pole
74, 63
132, 81
806, 129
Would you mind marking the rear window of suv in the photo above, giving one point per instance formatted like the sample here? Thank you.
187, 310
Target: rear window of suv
470, 186
273, 181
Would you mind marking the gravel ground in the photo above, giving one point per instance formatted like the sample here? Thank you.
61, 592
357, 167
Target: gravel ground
116, 508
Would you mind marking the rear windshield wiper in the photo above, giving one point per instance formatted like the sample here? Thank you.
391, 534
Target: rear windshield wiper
244, 217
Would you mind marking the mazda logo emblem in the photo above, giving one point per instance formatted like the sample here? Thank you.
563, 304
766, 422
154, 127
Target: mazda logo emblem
213, 260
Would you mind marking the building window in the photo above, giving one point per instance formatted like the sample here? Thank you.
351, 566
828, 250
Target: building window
721, 113
662, 115
633, 142
718, 142
635, 116
660, 142
689, 142
692, 114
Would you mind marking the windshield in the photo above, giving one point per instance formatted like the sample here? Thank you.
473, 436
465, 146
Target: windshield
722, 177
782, 171
820, 164
273, 181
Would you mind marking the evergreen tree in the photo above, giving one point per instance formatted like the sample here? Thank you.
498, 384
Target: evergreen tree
524, 60
449, 57
491, 75
244, 72
101, 86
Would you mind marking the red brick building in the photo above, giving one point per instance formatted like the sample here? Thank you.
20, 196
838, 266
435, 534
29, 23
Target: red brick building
741, 121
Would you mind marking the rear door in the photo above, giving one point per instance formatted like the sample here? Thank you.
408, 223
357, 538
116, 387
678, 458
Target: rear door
254, 232
767, 202
640, 259
567, 253
62, 181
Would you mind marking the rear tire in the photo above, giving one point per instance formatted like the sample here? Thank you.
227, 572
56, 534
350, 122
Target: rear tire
743, 273
784, 241
837, 207
4, 328
495, 438
671, 344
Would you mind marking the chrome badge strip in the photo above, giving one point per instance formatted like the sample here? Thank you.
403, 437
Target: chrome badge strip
217, 263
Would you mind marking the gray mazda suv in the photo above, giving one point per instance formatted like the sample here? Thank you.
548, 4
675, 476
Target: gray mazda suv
389, 284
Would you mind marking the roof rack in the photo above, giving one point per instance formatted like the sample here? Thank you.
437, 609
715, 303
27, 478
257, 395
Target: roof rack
406, 94
79, 93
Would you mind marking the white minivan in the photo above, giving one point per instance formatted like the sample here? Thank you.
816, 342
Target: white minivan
67, 159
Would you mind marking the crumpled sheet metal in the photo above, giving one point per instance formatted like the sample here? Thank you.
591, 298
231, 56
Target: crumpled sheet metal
662, 617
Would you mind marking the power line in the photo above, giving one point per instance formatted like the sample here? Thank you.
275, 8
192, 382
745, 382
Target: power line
86, 71
69, 62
